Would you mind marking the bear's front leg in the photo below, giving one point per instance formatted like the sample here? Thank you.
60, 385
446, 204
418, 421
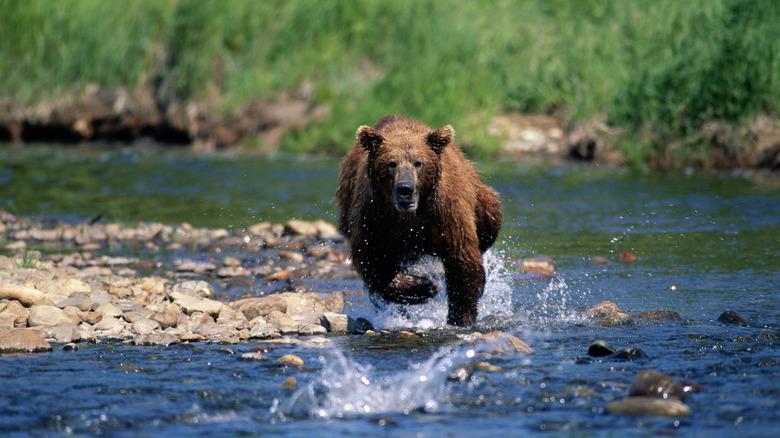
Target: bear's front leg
384, 278
465, 285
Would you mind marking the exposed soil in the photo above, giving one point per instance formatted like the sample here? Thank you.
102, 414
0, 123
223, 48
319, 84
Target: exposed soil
100, 114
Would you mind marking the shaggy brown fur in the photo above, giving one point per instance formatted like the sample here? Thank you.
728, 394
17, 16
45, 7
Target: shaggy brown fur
405, 190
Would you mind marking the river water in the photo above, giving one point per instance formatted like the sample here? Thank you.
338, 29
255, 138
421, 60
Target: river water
705, 243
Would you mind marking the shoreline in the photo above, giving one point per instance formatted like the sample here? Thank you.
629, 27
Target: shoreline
73, 290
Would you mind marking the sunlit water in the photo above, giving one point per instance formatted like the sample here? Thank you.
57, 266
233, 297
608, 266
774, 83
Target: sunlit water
706, 243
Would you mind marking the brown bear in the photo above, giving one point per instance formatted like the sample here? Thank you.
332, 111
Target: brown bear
406, 190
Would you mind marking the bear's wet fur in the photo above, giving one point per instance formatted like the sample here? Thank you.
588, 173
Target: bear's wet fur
406, 190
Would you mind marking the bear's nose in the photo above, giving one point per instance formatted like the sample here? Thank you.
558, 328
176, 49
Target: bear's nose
404, 191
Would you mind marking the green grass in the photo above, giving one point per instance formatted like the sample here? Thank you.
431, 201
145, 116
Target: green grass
661, 68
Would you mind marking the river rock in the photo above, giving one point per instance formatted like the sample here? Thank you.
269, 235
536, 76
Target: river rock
108, 310
82, 302
91, 318
311, 329
651, 383
192, 304
312, 304
600, 349
361, 326
47, 316
291, 359
503, 343
145, 326
263, 330
253, 356
335, 322
540, 265
25, 295
109, 323
166, 319
261, 306
156, 339
195, 288
649, 406
100, 297
23, 341
300, 228
630, 354
64, 333
14, 315
732, 317
283, 322
657, 315
602, 309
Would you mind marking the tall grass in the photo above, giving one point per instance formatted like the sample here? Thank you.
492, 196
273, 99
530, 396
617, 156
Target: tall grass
665, 67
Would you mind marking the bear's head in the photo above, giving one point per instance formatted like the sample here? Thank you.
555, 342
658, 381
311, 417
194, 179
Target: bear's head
404, 165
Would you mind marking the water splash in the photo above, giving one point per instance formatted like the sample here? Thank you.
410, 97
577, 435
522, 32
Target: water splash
496, 302
346, 388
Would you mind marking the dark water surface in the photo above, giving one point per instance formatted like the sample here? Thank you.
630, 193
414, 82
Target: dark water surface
706, 243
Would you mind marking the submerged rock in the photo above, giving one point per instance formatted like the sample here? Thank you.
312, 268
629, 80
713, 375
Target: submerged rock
649, 406
600, 349
732, 317
654, 384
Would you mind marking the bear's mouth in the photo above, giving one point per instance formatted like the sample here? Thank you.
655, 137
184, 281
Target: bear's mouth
406, 207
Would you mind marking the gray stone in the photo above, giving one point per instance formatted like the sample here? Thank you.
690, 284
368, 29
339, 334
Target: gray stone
145, 326
82, 302
282, 320
335, 322
156, 339
311, 329
252, 356
47, 316
108, 323
64, 333
108, 310
136, 315
263, 330
195, 288
100, 297
192, 304
262, 306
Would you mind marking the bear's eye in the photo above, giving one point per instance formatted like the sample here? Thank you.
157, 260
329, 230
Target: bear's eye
392, 164
418, 164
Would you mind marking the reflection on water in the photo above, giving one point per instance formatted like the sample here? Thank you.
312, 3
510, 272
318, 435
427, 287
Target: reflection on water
714, 237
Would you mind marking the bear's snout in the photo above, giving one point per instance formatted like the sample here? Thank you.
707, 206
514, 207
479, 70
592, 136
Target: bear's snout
405, 192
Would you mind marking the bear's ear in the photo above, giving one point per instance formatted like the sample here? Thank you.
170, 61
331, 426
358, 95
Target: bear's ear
369, 139
438, 140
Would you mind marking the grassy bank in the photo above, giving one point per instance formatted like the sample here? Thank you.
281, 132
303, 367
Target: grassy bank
660, 69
